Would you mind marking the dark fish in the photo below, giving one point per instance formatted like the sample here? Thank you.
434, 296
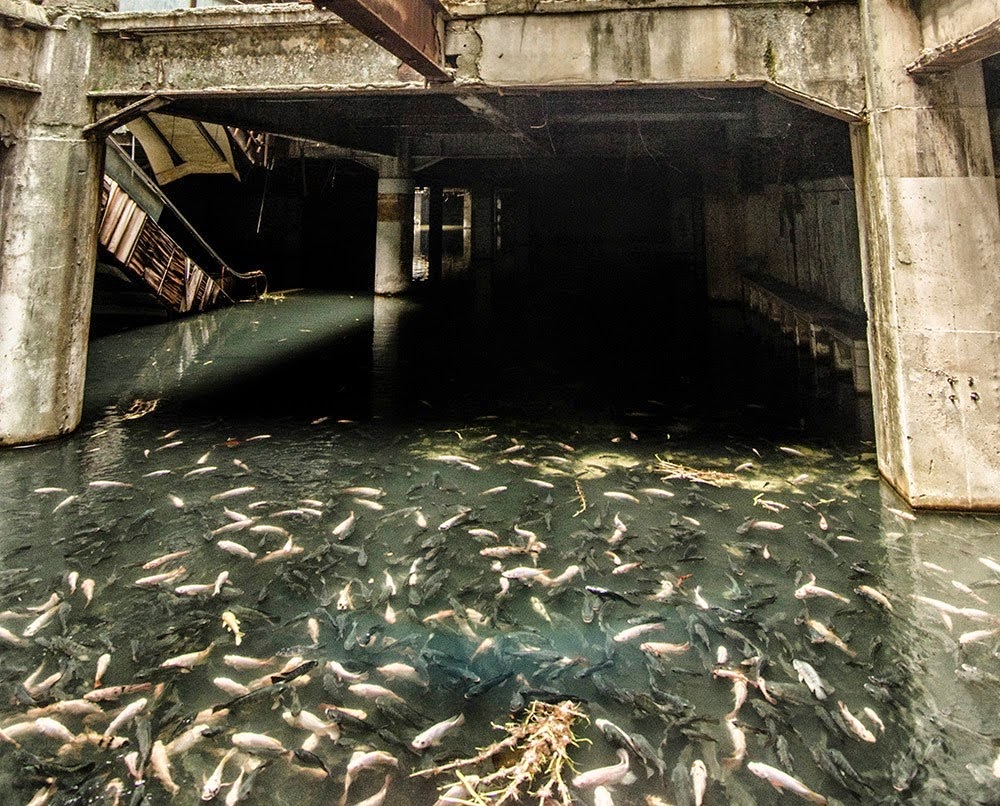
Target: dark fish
605, 593
298, 671
482, 687
310, 759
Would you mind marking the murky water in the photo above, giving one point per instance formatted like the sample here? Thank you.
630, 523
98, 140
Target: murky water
580, 437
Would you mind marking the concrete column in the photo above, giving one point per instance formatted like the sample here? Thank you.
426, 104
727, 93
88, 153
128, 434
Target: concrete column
930, 230
435, 233
483, 218
394, 227
49, 199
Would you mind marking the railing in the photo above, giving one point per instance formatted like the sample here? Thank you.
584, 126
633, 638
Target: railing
130, 234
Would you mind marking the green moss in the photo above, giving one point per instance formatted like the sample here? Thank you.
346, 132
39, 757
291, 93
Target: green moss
770, 61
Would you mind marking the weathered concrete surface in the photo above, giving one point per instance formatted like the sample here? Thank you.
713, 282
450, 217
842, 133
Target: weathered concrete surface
48, 241
956, 32
930, 228
21, 29
253, 50
808, 54
482, 8
394, 227
413, 30
778, 47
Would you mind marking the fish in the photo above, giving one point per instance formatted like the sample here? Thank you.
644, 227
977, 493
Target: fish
993, 565
495, 490
343, 529
856, 725
782, 780
351, 677
160, 764
213, 783
539, 607
41, 622
87, 589
617, 495
605, 776
306, 720
906, 516
454, 520
379, 797
7, 637
344, 600
435, 733
760, 525
372, 691
116, 692
236, 549
976, 635
699, 781
545, 485
656, 492
361, 760
808, 675
233, 625
164, 559
660, 649
103, 484
826, 635
639, 629
810, 589
739, 742
524, 573
200, 471
69, 499
875, 719
791, 451
188, 660
233, 493
258, 744
876, 596
102, 666
156, 580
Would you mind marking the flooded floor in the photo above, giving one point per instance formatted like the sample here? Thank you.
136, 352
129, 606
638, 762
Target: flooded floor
409, 512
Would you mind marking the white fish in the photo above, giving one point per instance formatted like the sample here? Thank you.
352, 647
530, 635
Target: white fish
876, 596
365, 492
126, 715
343, 529
87, 589
808, 675
782, 780
160, 764
604, 776
699, 781
102, 484
811, 589
245, 664
41, 622
375, 506
602, 797
620, 496
45, 490
361, 760
231, 687
270, 529
344, 600
435, 733
233, 493
791, 451
213, 783
856, 725
65, 502
54, 729
454, 520
189, 659
539, 607
484, 533
662, 649
351, 677
102, 666
656, 492
379, 797
993, 565
199, 471
372, 691
390, 614
906, 516
875, 719
401, 671
639, 629
236, 549
976, 635
420, 518
7, 637
545, 485
495, 490
524, 573
739, 742
258, 743
305, 720
164, 559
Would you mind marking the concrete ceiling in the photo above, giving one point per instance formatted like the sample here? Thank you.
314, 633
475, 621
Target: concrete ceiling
692, 125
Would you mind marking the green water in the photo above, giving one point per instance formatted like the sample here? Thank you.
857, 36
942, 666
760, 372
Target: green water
289, 398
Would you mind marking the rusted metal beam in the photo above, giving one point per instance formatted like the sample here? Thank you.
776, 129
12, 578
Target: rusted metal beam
412, 30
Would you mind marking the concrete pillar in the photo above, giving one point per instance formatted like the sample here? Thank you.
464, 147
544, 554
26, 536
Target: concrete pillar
483, 218
930, 231
435, 233
394, 227
49, 198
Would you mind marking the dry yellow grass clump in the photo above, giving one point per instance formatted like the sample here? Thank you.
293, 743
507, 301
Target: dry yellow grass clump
539, 746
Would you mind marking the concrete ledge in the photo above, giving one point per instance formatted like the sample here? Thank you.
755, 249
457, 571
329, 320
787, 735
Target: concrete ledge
227, 18
971, 47
828, 331
19, 12
467, 9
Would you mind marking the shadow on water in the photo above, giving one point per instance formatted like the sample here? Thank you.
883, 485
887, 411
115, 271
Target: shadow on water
387, 461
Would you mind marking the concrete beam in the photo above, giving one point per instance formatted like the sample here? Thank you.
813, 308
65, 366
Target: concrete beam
955, 33
413, 30
458, 9
807, 54
252, 51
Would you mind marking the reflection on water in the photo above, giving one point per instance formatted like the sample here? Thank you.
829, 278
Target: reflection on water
587, 437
